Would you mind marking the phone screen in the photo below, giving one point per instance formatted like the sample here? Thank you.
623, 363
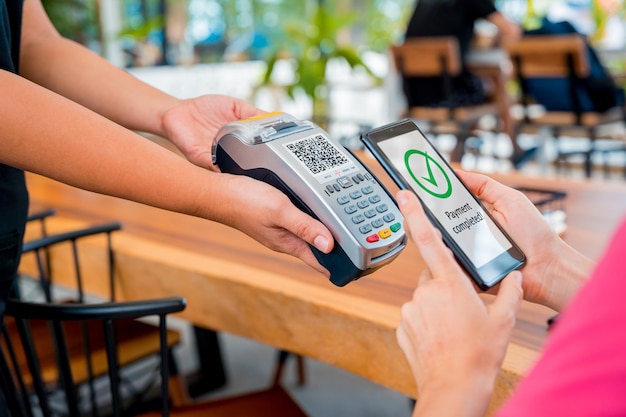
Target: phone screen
478, 242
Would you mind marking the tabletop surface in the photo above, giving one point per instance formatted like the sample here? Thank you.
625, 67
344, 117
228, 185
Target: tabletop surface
288, 304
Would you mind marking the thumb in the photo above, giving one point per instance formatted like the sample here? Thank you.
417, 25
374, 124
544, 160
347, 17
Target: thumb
509, 297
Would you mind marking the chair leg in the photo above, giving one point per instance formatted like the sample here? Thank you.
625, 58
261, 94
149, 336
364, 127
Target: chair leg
562, 164
606, 164
588, 165
281, 359
179, 393
589, 153
459, 149
300, 369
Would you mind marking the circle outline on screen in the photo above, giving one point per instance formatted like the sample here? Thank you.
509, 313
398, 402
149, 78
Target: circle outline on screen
428, 160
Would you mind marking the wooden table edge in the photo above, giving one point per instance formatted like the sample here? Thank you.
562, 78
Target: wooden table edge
359, 335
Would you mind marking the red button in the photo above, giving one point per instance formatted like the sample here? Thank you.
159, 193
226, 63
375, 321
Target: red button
372, 238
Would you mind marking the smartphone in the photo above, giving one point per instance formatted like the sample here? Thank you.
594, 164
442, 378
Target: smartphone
478, 242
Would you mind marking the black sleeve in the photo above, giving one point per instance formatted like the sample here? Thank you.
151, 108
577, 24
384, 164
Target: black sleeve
479, 9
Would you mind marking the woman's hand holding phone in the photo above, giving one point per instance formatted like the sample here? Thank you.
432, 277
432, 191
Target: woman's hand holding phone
554, 270
479, 244
454, 342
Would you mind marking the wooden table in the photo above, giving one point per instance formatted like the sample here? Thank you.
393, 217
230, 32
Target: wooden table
234, 284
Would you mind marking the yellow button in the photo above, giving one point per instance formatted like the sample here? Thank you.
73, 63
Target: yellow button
385, 233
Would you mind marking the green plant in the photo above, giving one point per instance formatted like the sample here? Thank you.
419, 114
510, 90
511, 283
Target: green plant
310, 45
384, 22
532, 19
601, 12
75, 19
142, 31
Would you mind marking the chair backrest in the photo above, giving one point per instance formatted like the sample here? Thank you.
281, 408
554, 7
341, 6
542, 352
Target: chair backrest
550, 56
552, 70
428, 57
40, 217
21, 379
73, 265
559, 68
68, 243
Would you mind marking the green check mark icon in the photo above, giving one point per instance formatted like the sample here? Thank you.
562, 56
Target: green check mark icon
431, 179
429, 182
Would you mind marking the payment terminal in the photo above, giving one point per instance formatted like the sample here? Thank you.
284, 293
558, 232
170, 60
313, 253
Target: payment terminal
323, 179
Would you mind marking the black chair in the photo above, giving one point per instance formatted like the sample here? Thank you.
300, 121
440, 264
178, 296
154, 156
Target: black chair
40, 217
137, 340
212, 372
23, 382
99, 340
27, 394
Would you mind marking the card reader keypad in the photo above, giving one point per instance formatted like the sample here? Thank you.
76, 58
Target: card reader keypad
364, 206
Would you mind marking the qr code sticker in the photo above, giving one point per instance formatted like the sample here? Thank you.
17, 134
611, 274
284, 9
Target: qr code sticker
317, 154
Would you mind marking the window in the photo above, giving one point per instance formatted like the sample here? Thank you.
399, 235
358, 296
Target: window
154, 32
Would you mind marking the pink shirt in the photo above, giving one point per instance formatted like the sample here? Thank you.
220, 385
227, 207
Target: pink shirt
582, 371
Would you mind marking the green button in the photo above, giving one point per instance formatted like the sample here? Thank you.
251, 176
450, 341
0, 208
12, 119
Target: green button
395, 227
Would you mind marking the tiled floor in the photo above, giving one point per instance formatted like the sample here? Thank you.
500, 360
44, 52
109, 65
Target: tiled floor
328, 391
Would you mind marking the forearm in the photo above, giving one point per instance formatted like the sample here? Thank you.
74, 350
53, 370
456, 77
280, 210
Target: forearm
47, 134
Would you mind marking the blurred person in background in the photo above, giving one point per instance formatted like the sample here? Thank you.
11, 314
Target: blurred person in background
432, 18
